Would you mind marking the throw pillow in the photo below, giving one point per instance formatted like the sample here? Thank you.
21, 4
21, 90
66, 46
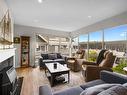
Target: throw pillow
92, 92
91, 83
125, 85
59, 55
45, 56
115, 90
97, 89
52, 56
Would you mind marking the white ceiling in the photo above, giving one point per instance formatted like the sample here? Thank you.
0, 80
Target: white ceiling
64, 15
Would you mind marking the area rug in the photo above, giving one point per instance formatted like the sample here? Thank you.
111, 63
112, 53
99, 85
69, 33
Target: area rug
76, 79
34, 78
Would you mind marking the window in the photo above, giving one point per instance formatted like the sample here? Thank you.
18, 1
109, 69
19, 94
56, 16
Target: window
54, 44
116, 38
83, 40
95, 40
64, 46
74, 45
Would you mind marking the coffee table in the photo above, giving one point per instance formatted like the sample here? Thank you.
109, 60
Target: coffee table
52, 72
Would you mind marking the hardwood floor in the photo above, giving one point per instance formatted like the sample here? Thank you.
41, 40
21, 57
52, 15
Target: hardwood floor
34, 77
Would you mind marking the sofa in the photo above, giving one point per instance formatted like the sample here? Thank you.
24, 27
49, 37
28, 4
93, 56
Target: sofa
50, 58
109, 84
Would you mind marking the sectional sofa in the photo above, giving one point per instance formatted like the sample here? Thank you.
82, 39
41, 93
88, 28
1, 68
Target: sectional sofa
109, 84
50, 58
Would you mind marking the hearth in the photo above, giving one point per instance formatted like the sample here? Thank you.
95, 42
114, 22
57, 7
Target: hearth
9, 83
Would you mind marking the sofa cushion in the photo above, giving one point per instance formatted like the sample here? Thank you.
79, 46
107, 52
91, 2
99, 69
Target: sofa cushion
47, 61
125, 85
97, 89
45, 90
58, 60
59, 56
112, 77
45, 56
52, 56
92, 83
115, 90
70, 91
93, 92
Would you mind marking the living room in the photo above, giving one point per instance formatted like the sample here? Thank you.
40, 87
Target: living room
63, 47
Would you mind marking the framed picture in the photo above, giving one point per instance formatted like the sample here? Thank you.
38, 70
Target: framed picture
5, 31
16, 40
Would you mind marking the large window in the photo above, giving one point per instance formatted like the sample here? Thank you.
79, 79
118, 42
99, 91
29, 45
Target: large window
52, 44
115, 38
41, 43
95, 40
75, 42
64, 46
83, 41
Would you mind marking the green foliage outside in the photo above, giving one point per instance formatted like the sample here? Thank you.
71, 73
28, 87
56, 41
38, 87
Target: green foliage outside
120, 66
92, 55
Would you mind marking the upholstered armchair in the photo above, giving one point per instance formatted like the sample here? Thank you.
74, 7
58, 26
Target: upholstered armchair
74, 63
91, 71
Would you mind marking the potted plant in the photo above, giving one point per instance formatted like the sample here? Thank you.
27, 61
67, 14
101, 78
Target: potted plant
92, 55
120, 66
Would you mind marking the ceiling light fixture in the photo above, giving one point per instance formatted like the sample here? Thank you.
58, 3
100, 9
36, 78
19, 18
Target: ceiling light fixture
89, 16
40, 1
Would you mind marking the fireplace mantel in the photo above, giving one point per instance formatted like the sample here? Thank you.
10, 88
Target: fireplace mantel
7, 53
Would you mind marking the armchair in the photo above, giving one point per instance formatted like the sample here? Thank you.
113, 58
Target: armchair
91, 71
74, 63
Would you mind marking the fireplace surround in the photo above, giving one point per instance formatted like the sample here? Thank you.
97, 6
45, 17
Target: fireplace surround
9, 83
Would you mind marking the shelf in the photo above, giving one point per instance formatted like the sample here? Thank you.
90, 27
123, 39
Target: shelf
25, 42
5, 42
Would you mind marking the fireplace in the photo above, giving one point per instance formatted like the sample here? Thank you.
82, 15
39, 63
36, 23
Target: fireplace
9, 83
6, 63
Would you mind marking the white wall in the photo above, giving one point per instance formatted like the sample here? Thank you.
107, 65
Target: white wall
117, 20
3, 8
6, 53
20, 30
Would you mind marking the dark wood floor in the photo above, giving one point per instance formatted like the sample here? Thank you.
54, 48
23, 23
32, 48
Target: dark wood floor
34, 77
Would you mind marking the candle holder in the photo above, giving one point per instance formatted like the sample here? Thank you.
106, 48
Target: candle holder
55, 65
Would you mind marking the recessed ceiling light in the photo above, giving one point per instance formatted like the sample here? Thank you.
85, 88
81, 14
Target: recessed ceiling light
89, 16
40, 1
35, 20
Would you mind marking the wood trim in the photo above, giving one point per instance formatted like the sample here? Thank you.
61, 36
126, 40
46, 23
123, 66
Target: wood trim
27, 38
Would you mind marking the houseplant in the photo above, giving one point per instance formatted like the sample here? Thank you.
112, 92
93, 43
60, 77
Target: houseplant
92, 55
120, 66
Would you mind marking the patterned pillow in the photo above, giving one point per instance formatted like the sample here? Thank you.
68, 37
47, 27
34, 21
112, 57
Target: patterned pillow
52, 56
115, 90
45, 56
97, 89
125, 85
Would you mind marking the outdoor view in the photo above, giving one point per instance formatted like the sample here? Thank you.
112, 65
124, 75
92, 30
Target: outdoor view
52, 44
114, 39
